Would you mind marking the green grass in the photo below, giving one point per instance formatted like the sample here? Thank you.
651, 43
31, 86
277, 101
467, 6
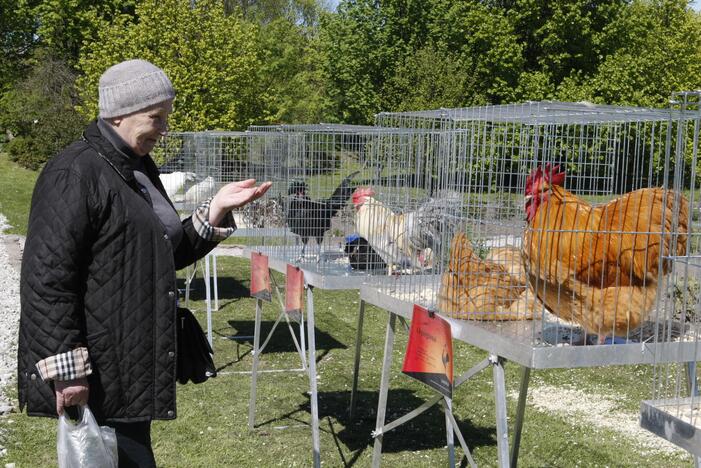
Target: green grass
211, 428
16, 194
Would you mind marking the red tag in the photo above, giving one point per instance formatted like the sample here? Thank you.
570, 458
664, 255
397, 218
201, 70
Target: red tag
294, 290
260, 277
429, 353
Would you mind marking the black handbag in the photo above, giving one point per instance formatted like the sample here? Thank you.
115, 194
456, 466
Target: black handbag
194, 361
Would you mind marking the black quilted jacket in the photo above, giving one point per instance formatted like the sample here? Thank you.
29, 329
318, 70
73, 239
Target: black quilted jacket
99, 271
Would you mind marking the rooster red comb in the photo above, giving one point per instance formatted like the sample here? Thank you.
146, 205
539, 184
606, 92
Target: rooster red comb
552, 175
360, 193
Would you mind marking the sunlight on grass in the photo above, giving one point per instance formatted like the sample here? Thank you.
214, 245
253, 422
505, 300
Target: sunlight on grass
211, 428
16, 195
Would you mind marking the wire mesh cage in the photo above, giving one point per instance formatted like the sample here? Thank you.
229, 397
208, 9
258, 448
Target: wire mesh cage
323, 183
562, 217
194, 165
674, 410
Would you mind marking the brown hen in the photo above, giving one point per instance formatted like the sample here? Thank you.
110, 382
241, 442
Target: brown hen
494, 288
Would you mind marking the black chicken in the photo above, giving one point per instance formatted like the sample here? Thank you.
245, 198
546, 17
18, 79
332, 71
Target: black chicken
361, 255
312, 218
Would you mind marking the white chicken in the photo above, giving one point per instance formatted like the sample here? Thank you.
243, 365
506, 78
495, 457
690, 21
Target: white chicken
200, 191
176, 182
403, 240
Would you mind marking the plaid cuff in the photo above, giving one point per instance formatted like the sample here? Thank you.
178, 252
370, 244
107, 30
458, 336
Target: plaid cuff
65, 366
200, 219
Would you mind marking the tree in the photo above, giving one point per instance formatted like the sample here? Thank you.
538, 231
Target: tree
210, 57
300, 12
360, 55
659, 52
431, 78
487, 45
564, 36
63, 27
40, 112
16, 39
291, 74
374, 47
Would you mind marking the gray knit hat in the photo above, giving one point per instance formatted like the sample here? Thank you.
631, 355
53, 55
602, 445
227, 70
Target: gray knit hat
132, 86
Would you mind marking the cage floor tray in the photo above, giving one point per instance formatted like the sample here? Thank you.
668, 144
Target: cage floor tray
676, 420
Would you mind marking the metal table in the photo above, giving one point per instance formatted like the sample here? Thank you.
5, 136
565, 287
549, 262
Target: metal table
506, 340
323, 275
663, 418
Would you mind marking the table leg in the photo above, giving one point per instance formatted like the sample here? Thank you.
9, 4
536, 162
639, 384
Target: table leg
254, 371
356, 364
384, 387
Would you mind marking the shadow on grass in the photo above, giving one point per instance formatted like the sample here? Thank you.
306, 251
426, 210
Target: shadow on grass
229, 289
426, 431
281, 341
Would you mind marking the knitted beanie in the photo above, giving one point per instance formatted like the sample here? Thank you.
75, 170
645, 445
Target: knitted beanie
131, 86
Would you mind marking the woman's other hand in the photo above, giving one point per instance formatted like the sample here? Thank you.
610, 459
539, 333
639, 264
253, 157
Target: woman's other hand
71, 393
235, 195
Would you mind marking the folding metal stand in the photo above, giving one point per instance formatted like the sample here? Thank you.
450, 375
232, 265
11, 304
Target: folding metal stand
314, 278
507, 341
258, 348
451, 425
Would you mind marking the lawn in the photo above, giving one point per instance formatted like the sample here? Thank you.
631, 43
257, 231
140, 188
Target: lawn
211, 428
16, 186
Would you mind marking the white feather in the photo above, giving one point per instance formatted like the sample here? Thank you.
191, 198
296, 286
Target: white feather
177, 181
200, 191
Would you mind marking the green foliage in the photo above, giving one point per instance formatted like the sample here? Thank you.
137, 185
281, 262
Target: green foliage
360, 54
63, 27
429, 79
301, 12
660, 52
487, 45
562, 36
290, 73
15, 41
399, 55
39, 112
210, 57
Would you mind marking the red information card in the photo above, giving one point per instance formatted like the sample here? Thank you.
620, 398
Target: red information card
429, 353
294, 290
260, 277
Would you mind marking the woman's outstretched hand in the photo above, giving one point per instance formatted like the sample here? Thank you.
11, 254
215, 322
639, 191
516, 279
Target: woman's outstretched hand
235, 195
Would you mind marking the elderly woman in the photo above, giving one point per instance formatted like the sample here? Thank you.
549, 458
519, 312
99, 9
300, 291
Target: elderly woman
98, 284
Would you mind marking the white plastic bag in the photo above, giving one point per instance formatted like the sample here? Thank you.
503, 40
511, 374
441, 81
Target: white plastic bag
85, 444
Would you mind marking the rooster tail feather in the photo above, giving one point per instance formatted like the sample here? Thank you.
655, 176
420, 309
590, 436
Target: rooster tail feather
340, 196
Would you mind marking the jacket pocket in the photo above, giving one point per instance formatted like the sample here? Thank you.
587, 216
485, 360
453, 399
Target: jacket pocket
106, 391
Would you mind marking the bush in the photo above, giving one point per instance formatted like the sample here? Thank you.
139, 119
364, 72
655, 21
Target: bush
20, 150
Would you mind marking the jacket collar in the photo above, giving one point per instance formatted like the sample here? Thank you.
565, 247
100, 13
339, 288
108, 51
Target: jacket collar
119, 156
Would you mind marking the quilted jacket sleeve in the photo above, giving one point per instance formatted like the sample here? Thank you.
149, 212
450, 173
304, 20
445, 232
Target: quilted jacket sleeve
200, 236
59, 239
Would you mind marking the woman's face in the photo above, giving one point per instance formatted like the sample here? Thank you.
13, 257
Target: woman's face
141, 130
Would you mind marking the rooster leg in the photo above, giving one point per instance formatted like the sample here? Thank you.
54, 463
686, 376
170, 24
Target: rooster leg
301, 255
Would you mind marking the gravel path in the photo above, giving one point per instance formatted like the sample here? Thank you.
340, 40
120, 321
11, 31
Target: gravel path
10, 254
599, 411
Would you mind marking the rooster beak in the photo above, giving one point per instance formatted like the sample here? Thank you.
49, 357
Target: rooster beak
527, 199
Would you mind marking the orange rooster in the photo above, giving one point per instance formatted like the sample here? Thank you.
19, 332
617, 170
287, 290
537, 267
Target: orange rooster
598, 265
493, 288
